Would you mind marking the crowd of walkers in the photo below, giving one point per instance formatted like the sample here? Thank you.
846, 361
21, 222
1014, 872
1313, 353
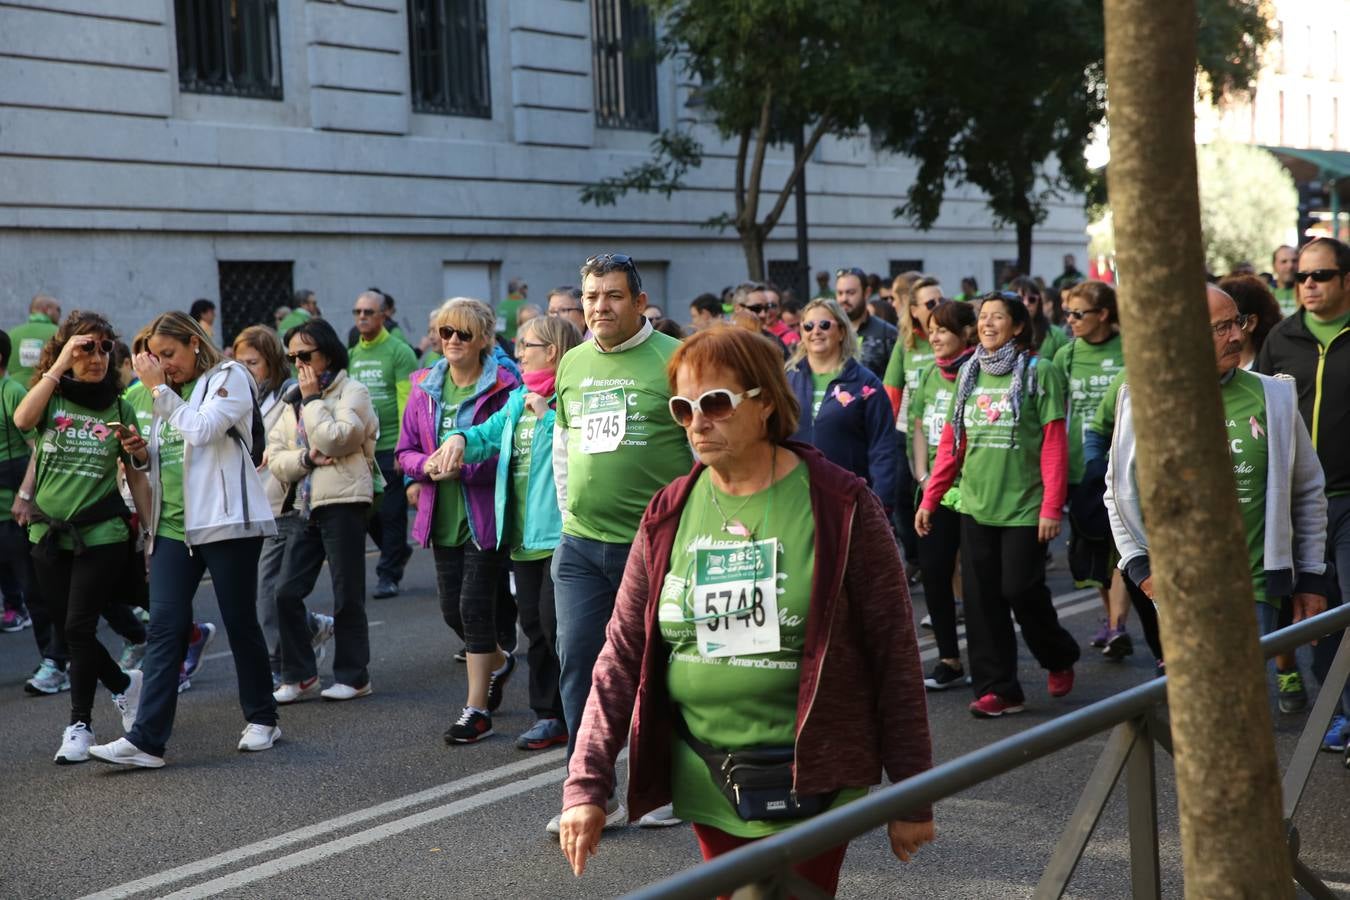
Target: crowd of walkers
707, 538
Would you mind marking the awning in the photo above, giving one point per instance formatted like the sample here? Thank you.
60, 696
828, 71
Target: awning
1314, 165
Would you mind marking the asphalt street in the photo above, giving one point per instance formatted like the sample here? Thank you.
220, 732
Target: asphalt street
364, 799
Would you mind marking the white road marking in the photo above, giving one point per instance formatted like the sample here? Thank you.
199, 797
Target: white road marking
319, 829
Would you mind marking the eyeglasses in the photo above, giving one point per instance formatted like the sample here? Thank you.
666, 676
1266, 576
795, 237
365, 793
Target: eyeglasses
714, 405
758, 308
447, 332
564, 310
532, 344
1077, 314
1321, 276
103, 347
301, 355
822, 324
1227, 325
360, 313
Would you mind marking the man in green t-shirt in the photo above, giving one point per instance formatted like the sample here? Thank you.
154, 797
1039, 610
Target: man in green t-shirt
1278, 477
28, 339
614, 446
15, 449
306, 306
1285, 262
517, 290
383, 363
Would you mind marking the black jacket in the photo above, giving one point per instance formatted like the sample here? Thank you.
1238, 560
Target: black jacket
1323, 399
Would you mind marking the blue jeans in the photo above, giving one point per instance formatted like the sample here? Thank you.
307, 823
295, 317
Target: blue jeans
174, 576
586, 576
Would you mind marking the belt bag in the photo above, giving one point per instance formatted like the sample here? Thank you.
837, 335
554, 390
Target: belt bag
757, 782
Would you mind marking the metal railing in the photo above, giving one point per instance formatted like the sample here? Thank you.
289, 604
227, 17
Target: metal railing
762, 870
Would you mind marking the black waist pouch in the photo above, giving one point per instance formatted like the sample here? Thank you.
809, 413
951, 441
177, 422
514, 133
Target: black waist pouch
757, 782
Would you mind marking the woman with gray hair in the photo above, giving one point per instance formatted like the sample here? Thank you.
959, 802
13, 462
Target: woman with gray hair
845, 412
456, 506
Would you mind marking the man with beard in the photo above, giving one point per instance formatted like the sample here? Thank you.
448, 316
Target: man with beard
876, 339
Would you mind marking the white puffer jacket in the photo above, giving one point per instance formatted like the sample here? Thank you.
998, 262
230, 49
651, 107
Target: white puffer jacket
223, 498
340, 424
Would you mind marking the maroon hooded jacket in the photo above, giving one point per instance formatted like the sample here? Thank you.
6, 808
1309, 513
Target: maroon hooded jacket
860, 704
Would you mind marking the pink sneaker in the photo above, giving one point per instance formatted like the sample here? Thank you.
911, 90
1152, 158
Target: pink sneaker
991, 706
1060, 682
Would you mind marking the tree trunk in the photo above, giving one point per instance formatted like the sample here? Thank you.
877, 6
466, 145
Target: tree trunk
1228, 787
1024, 246
752, 242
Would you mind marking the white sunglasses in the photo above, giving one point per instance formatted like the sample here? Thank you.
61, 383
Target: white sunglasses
714, 405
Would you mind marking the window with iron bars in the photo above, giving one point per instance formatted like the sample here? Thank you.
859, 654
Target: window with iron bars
230, 47
249, 293
448, 51
624, 59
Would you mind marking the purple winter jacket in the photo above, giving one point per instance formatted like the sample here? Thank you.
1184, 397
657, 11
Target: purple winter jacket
417, 440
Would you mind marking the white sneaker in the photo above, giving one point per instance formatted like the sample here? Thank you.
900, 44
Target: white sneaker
259, 737
292, 692
346, 692
319, 641
75, 743
128, 702
123, 752
926, 622
616, 815
661, 817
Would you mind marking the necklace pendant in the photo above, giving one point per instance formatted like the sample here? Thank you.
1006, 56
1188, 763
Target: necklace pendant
737, 528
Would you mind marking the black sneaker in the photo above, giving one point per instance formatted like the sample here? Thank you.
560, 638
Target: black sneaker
462, 656
385, 588
944, 676
1118, 644
497, 683
471, 726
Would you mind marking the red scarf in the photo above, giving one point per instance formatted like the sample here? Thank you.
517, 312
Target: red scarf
949, 367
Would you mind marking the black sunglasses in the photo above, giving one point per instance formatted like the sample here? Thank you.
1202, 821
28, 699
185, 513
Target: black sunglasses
302, 355
758, 308
622, 260
1321, 276
822, 324
1077, 314
103, 347
447, 332
932, 302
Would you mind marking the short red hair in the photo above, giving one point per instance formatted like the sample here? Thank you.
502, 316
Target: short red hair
753, 360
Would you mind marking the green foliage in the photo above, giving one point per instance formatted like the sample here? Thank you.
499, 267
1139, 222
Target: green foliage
1248, 204
674, 153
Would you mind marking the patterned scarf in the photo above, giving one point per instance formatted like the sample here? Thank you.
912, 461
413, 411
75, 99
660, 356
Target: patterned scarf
949, 367
304, 490
1002, 361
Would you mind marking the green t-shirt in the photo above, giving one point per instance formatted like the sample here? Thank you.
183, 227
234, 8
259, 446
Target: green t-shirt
450, 525
1104, 419
77, 467
143, 401
13, 442
1087, 370
617, 400
1001, 477
929, 411
430, 358
26, 342
293, 318
1054, 339
171, 521
903, 370
383, 366
1325, 332
522, 452
1287, 300
736, 702
506, 316
1244, 412
820, 382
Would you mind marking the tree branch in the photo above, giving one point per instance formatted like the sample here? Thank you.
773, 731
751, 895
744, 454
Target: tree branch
786, 193
751, 212
741, 151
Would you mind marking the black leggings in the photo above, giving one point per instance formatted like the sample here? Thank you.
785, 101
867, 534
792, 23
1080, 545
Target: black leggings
75, 589
937, 563
538, 616
1147, 614
467, 581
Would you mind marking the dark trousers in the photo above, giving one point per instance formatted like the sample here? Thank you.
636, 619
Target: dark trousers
904, 500
1003, 575
468, 583
539, 619
15, 575
1146, 613
75, 588
18, 558
586, 576
388, 524
175, 574
937, 562
336, 533
1338, 555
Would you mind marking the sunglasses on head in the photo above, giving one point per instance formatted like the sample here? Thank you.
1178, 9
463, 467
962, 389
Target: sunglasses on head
1320, 276
301, 355
447, 332
822, 324
623, 260
1077, 314
103, 347
714, 405
861, 275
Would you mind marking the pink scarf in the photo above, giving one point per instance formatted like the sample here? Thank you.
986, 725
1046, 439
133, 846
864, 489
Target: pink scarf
540, 381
